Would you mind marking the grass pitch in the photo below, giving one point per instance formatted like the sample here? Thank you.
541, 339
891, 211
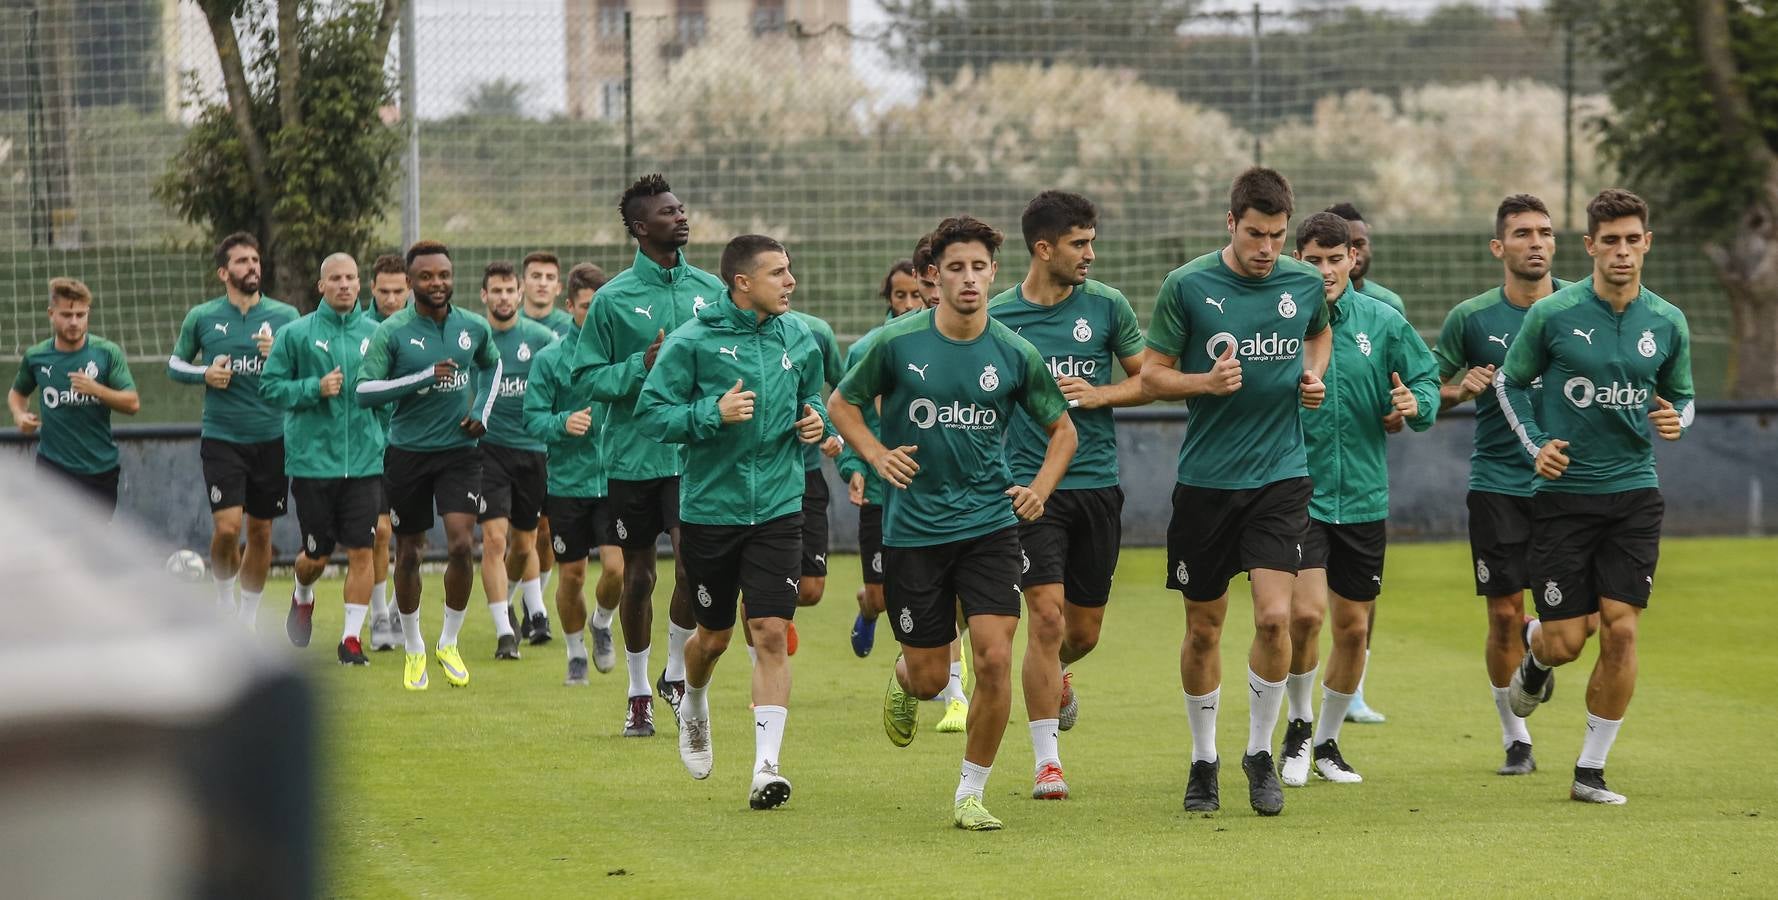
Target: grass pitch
518, 786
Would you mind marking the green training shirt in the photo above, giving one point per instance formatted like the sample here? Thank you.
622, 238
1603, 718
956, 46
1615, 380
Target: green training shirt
849, 461
575, 466
1252, 437
518, 348
75, 430
237, 413
397, 369
1375, 291
833, 368
557, 320
1478, 332
1601, 372
1085, 336
953, 400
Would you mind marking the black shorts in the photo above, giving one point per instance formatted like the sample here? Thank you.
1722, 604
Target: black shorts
724, 563
642, 510
513, 485
101, 488
245, 475
1499, 541
815, 498
1215, 534
1352, 555
870, 543
981, 573
339, 511
576, 525
1587, 546
419, 479
1075, 543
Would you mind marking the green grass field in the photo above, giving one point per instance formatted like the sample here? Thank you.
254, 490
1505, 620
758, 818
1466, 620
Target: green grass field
518, 786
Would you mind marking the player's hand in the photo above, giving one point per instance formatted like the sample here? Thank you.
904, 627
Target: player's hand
1025, 503
1225, 375
1666, 419
1393, 422
736, 405
29, 423
809, 428
473, 427
83, 383
831, 447
1476, 382
1313, 390
579, 422
1079, 392
219, 375
332, 383
897, 466
653, 350
443, 371
1551, 461
1403, 399
263, 337
854, 487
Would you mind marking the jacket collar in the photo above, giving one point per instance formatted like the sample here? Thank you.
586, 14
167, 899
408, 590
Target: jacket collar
730, 316
651, 272
325, 313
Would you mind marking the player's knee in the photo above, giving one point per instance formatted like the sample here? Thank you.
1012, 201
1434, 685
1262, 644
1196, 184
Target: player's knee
228, 533
1271, 624
1046, 625
769, 635
809, 590
992, 663
1503, 624
714, 643
1203, 633
459, 547
929, 683
1618, 635
1081, 638
1305, 624
1350, 633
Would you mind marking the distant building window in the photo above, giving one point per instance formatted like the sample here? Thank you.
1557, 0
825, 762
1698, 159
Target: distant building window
611, 19
691, 22
611, 100
768, 16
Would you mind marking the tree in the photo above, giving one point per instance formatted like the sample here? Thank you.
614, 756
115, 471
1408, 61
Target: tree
502, 98
297, 153
1694, 86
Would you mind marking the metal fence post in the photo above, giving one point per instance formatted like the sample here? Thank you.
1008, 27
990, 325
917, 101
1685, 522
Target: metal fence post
1257, 100
410, 112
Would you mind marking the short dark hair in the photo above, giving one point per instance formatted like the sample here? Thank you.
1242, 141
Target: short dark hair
1612, 204
646, 186
387, 264
1324, 228
499, 268
1347, 211
543, 257
585, 277
1052, 214
238, 239
738, 256
1511, 206
964, 230
900, 266
1262, 189
923, 258
70, 289
426, 248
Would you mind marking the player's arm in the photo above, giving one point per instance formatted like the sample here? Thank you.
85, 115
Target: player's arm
1043, 402
1459, 382
609, 376
542, 421
1525, 362
1168, 332
665, 409
1418, 371
488, 370
377, 385
280, 384
845, 407
18, 400
183, 365
809, 400
1674, 395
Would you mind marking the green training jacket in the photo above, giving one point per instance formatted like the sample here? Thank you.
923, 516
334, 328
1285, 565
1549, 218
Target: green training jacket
576, 468
329, 437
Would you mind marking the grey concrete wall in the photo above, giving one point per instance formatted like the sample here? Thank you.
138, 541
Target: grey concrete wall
1721, 479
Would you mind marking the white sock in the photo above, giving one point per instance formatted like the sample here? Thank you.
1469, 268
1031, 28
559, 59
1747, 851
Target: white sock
1366, 671
354, 620
577, 645
250, 607
502, 627
1296, 695
543, 581
410, 632
1333, 714
1043, 742
752, 655
453, 623
1530, 639
638, 665
696, 705
305, 594
512, 592
1262, 713
954, 687
533, 591
676, 638
225, 593
974, 780
602, 616
1200, 711
1512, 728
1597, 745
379, 599
768, 734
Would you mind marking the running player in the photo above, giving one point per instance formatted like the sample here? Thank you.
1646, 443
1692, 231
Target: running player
222, 345
541, 281
336, 449
1081, 327
388, 296
631, 316
1241, 332
1379, 363
1620, 356
949, 380
563, 414
78, 379
813, 583
739, 386
864, 489
418, 360
513, 476
1471, 347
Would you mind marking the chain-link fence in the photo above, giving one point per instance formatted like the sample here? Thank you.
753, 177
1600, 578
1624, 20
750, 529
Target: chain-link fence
845, 131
